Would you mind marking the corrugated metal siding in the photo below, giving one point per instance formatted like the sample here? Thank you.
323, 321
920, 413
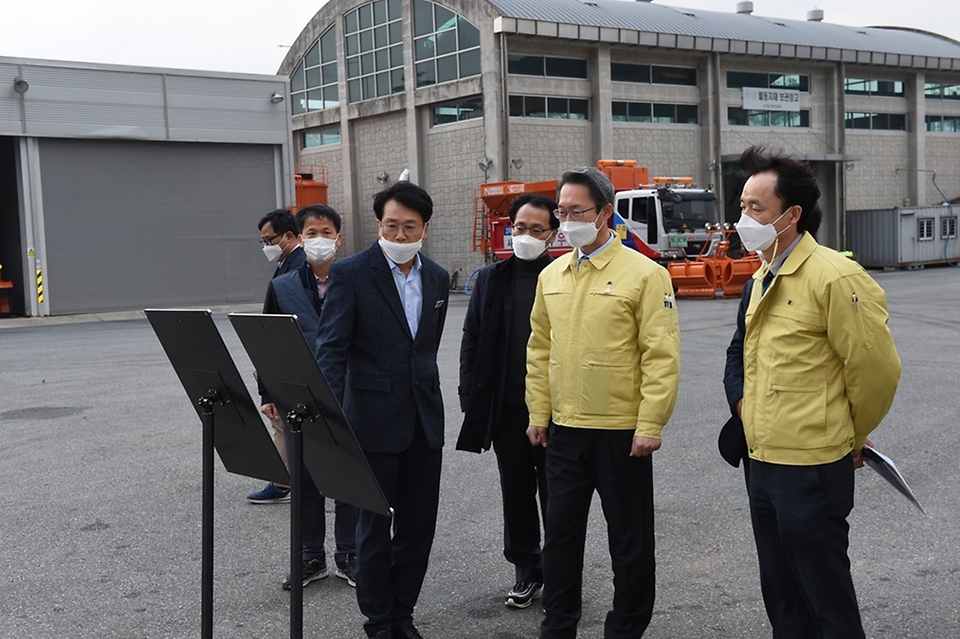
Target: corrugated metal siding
890, 238
224, 109
873, 236
132, 224
102, 103
143, 104
9, 101
646, 16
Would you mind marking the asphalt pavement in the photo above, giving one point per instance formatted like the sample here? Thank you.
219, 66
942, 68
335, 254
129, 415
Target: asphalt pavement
100, 464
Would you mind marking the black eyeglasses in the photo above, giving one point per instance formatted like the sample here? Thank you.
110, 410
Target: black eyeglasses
267, 241
573, 215
536, 231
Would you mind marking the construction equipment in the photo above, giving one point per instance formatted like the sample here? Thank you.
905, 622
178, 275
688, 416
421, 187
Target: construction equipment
713, 268
310, 184
668, 219
4, 300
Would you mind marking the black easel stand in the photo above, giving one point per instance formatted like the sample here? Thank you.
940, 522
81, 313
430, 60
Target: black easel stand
326, 444
210, 378
295, 459
207, 402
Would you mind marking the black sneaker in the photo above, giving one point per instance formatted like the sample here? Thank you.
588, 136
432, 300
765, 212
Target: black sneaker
347, 569
523, 594
313, 570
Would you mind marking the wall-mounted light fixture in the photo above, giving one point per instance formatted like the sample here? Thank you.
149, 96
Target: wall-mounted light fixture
20, 86
277, 97
383, 178
404, 176
516, 163
485, 165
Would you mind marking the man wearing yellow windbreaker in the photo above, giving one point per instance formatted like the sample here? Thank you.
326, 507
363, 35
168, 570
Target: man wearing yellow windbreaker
603, 367
820, 371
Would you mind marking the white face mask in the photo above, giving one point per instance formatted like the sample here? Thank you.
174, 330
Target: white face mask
756, 236
400, 253
527, 247
319, 249
272, 251
579, 234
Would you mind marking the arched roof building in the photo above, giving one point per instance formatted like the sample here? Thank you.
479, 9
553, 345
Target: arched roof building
458, 92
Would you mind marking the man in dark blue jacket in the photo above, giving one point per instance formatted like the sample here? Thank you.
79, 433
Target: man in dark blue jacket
493, 355
377, 347
278, 237
302, 293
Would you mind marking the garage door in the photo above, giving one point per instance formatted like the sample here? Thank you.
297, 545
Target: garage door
132, 225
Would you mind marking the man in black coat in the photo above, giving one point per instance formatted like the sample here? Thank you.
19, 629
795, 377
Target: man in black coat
278, 237
492, 371
377, 347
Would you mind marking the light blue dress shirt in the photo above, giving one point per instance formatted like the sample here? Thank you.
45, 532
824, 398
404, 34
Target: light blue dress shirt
410, 288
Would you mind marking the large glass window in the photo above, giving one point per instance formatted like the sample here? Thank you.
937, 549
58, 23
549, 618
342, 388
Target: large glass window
313, 85
942, 123
458, 110
535, 106
738, 116
655, 112
446, 45
859, 86
948, 227
740, 79
546, 66
652, 74
942, 91
373, 47
322, 136
876, 121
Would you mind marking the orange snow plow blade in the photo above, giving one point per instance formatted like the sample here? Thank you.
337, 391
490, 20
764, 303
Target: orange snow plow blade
696, 280
735, 273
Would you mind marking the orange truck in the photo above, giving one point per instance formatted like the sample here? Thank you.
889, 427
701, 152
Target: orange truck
668, 219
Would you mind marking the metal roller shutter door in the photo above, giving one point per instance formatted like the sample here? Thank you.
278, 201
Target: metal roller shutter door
132, 225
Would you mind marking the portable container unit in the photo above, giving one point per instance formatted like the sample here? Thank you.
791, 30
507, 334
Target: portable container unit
904, 236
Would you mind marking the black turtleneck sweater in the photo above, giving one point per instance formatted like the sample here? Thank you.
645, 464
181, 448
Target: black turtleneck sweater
524, 290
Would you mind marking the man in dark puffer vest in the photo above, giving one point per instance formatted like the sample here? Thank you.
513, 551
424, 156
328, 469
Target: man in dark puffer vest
301, 293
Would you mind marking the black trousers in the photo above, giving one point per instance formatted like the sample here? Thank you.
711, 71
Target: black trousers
314, 520
579, 461
800, 525
390, 569
522, 478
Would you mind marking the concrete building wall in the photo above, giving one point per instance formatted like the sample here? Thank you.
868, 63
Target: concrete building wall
667, 150
387, 134
452, 177
873, 182
549, 147
379, 146
327, 158
943, 156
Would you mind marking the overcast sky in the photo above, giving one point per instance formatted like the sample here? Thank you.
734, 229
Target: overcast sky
249, 37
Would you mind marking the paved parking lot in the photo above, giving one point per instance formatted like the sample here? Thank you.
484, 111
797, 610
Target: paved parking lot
100, 468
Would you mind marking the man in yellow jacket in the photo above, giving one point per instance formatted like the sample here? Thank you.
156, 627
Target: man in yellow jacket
820, 370
603, 366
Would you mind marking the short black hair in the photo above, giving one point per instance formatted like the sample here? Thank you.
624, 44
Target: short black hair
599, 185
281, 220
319, 211
539, 201
796, 183
409, 195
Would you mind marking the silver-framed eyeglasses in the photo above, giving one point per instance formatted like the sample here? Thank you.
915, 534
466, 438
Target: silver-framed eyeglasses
572, 215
